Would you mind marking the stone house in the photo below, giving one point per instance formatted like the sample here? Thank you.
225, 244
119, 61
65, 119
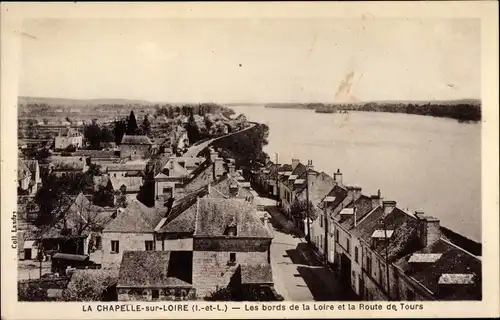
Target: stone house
28, 176
228, 237
287, 187
67, 137
132, 230
136, 168
135, 147
128, 186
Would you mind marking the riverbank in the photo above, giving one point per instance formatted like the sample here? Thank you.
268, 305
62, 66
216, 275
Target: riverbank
461, 110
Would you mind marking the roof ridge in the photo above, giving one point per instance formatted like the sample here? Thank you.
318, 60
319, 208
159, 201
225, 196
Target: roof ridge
367, 215
456, 246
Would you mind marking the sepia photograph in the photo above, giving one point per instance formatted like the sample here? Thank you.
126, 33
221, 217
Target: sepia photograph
250, 159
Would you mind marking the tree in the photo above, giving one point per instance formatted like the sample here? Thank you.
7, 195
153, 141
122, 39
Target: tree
192, 129
298, 210
119, 129
131, 124
107, 135
146, 125
31, 291
93, 135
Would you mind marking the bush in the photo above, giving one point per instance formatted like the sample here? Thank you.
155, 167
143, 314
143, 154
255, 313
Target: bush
31, 291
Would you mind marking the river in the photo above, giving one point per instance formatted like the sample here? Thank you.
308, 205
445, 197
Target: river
422, 162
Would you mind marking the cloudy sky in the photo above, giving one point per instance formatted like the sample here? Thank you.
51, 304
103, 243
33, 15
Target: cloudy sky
252, 60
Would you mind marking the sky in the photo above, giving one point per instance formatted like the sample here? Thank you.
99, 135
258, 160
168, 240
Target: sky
252, 60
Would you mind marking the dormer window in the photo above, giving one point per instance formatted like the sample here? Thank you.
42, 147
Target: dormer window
231, 229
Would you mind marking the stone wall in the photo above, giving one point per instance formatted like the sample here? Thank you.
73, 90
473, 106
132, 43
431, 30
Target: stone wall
164, 294
134, 151
212, 270
127, 242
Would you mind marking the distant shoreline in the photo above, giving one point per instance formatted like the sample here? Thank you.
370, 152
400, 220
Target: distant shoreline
461, 110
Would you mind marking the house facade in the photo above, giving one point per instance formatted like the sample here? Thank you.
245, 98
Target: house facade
68, 137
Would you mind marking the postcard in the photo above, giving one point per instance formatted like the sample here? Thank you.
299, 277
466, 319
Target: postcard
249, 160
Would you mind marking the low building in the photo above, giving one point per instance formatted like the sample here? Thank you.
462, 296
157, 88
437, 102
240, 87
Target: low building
156, 276
135, 147
227, 236
59, 165
135, 168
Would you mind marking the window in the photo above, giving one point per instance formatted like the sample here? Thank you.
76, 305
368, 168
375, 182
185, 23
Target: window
348, 246
115, 246
149, 245
321, 220
356, 254
155, 294
337, 235
410, 295
232, 257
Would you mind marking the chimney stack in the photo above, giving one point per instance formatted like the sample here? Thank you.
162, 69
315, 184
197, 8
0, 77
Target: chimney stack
213, 155
231, 169
388, 206
376, 199
337, 177
428, 228
295, 163
309, 165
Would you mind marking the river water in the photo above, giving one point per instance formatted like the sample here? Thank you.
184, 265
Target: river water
423, 163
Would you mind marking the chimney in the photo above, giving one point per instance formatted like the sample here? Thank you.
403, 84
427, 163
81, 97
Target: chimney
233, 190
213, 155
295, 163
309, 165
218, 167
429, 228
337, 177
388, 206
376, 199
231, 169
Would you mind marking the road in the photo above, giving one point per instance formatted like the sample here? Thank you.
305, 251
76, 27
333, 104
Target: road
298, 273
194, 150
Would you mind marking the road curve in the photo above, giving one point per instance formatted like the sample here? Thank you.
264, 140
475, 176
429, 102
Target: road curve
194, 150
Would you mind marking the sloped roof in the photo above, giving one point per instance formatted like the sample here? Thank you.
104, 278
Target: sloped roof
225, 183
338, 194
453, 260
32, 165
127, 166
363, 206
214, 215
404, 239
256, 273
181, 218
22, 170
95, 153
67, 163
136, 140
136, 217
133, 184
145, 269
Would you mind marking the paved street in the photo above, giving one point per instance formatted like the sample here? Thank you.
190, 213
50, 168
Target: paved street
299, 275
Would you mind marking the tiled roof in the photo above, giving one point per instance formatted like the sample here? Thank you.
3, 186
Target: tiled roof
338, 193
135, 166
404, 239
146, 269
136, 217
256, 273
214, 215
224, 184
95, 153
451, 265
363, 206
181, 219
67, 163
133, 184
141, 140
173, 169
